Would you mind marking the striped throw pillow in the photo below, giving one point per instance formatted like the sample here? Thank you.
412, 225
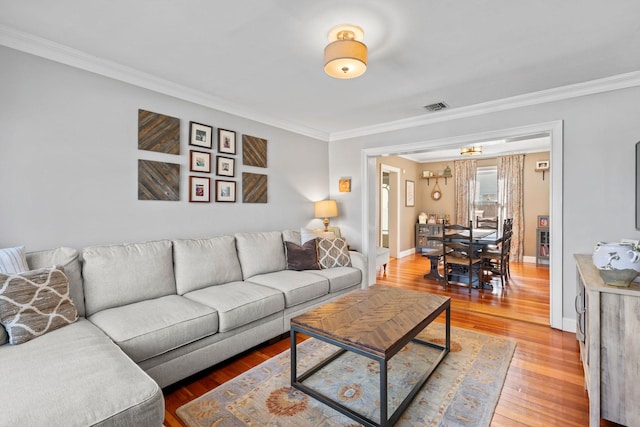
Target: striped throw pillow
13, 260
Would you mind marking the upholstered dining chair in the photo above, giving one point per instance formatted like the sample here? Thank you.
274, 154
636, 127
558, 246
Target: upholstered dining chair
462, 265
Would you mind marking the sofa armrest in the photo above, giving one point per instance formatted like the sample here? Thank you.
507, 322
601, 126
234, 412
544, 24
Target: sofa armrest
359, 261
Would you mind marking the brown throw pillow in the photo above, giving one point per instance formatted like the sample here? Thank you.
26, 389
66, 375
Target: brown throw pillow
333, 253
303, 257
35, 302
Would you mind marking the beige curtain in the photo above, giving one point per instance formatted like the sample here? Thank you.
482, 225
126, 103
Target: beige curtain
511, 199
464, 172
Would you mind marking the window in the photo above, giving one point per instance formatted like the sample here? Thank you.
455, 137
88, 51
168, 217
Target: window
486, 199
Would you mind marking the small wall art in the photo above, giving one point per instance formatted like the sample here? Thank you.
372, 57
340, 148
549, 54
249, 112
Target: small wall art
199, 161
226, 141
410, 193
254, 151
158, 181
225, 191
344, 185
225, 166
254, 188
199, 189
157, 132
200, 135
543, 220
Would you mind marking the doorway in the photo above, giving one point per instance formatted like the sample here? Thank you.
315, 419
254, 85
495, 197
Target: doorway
554, 130
389, 209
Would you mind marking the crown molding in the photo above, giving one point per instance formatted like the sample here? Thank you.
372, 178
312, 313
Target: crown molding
41, 47
44, 48
621, 81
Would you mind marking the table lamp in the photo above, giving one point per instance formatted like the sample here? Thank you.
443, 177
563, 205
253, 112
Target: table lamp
326, 209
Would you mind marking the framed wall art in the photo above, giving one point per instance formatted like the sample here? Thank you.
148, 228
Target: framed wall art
200, 135
199, 161
543, 220
254, 188
344, 185
226, 141
225, 191
409, 193
225, 166
199, 189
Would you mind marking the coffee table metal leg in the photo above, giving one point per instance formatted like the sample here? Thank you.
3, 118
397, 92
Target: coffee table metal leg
383, 393
294, 358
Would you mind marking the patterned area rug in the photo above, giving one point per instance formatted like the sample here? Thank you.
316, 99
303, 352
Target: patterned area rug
463, 390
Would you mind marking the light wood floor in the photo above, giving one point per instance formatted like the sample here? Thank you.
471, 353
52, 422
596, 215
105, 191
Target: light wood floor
544, 385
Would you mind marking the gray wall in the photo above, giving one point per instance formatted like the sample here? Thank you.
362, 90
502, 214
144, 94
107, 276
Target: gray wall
600, 133
68, 164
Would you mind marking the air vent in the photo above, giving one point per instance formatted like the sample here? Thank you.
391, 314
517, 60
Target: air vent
436, 107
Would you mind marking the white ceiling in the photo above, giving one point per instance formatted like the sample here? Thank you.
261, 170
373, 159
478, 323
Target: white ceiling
262, 59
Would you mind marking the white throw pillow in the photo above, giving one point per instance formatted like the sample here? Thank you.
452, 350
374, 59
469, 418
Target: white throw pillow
13, 260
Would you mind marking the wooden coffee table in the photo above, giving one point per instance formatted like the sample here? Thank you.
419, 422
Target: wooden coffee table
377, 323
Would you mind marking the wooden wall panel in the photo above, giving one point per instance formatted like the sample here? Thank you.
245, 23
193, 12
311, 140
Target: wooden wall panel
157, 132
158, 181
254, 188
254, 151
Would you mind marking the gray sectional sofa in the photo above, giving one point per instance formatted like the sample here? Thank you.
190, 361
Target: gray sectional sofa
152, 314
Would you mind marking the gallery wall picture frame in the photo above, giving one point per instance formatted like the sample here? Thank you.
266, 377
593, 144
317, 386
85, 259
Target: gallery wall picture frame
225, 166
200, 135
225, 191
226, 141
199, 189
409, 193
199, 161
543, 220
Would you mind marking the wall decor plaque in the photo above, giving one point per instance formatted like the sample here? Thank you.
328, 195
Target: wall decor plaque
157, 132
254, 151
254, 188
158, 180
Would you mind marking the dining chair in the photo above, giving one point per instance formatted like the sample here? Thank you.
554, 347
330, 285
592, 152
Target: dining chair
462, 264
487, 223
496, 261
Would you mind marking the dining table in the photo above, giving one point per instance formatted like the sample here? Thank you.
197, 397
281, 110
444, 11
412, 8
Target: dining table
482, 238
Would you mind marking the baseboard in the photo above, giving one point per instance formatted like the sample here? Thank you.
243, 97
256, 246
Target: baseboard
569, 325
407, 253
530, 259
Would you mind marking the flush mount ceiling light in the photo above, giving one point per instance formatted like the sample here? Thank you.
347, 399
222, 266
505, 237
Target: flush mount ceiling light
470, 151
345, 57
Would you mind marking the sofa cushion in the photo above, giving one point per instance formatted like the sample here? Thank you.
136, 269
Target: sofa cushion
69, 259
297, 286
333, 253
34, 303
340, 277
239, 303
13, 260
149, 328
292, 236
260, 253
302, 257
199, 263
81, 377
123, 274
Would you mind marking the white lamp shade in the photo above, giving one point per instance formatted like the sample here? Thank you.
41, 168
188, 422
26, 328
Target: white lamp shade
326, 209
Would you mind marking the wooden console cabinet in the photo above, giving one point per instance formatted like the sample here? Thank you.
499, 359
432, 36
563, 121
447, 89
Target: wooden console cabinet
608, 332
